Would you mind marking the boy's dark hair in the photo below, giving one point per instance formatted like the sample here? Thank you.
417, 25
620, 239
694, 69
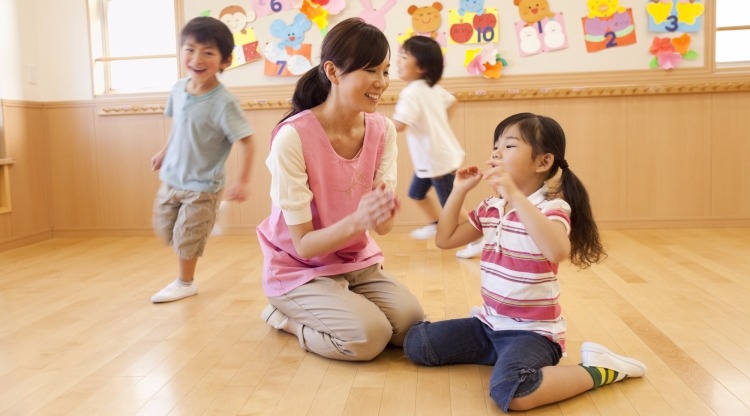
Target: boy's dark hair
545, 135
351, 45
426, 51
205, 29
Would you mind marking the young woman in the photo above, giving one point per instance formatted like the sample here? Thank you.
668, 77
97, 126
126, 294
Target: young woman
333, 168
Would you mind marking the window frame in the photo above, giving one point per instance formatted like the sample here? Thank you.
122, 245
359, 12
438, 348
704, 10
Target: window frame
718, 67
101, 59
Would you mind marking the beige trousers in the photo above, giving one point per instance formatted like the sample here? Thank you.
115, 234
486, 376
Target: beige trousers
352, 316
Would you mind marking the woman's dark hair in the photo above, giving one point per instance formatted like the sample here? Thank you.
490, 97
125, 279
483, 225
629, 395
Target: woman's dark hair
545, 135
205, 29
351, 45
426, 51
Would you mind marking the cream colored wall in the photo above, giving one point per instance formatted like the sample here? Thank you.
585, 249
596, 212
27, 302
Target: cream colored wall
45, 50
660, 160
18, 49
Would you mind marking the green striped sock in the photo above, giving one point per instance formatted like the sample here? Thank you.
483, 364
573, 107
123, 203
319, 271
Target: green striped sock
603, 375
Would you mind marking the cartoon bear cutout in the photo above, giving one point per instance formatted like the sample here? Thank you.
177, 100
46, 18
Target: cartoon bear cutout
426, 19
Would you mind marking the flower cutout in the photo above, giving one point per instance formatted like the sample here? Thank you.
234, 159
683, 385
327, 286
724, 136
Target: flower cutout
669, 60
485, 62
681, 44
671, 52
661, 45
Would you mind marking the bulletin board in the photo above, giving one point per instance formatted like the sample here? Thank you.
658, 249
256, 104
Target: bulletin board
277, 40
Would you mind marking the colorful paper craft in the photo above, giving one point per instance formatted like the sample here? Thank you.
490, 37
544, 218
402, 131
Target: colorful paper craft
617, 29
472, 28
286, 61
290, 34
670, 52
542, 36
268, 7
373, 16
246, 44
315, 13
426, 20
675, 15
484, 61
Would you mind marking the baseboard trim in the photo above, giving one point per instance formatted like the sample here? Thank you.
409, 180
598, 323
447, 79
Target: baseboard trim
24, 241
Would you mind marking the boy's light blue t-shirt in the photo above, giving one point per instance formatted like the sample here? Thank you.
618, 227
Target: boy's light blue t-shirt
203, 130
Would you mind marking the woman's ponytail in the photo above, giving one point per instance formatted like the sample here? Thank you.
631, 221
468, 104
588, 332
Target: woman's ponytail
311, 90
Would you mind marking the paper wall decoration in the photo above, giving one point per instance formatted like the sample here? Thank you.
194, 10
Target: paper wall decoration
675, 15
471, 28
373, 16
670, 52
543, 36
268, 7
541, 29
603, 32
533, 11
316, 14
426, 20
245, 42
484, 61
333, 7
286, 61
290, 34
470, 6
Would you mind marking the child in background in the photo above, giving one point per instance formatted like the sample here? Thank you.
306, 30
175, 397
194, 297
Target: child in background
528, 230
208, 120
423, 107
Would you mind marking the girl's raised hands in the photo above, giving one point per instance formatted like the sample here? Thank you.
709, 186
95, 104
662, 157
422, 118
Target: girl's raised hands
500, 180
467, 178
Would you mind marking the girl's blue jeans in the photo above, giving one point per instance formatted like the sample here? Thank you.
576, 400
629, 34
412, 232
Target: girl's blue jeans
517, 356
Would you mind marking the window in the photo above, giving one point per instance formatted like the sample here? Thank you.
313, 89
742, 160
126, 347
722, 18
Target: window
732, 32
133, 45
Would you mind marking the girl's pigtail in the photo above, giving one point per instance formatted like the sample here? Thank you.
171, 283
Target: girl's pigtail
586, 246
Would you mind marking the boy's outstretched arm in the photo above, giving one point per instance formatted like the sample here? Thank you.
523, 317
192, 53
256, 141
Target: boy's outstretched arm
453, 228
238, 191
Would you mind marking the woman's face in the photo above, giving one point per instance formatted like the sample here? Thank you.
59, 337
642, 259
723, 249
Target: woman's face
362, 89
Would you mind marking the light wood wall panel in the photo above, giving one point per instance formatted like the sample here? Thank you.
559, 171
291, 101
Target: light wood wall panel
730, 154
669, 161
75, 182
26, 142
596, 132
258, 206
660, 160
124, 147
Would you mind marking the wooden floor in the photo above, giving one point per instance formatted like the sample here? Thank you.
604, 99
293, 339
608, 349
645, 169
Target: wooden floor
79, 336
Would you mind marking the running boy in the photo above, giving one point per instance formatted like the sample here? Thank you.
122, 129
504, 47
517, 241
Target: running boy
207, 120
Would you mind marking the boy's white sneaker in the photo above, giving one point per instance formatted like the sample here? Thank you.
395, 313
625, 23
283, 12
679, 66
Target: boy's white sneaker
595, 355
174, 291
471, 250
424, 233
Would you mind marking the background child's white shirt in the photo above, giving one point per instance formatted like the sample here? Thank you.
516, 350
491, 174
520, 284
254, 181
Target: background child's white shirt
433, 146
